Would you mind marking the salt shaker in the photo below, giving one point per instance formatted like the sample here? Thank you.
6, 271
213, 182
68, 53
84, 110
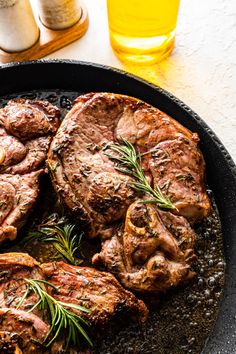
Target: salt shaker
59, 14
18, 28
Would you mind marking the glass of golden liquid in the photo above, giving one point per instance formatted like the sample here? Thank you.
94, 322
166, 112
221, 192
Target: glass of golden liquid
142, 31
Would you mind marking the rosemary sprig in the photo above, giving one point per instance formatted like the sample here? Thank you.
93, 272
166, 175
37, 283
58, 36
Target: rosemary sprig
61, 234
61, 318
129, 163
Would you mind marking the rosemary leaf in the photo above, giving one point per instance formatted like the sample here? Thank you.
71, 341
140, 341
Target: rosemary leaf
61, 318
129, 163
61, 234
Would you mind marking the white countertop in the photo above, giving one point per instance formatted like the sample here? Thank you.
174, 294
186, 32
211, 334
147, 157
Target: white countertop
202, 69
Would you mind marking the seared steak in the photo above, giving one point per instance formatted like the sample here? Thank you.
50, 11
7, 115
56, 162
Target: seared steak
86, 179
18, 194
36, 153
21, 332
20, 329
98, 291
177, 166
26, 119
12, 150
26, 128
83, 175
14, 268
152, 252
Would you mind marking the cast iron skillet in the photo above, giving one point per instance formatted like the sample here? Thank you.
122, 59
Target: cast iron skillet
221, 171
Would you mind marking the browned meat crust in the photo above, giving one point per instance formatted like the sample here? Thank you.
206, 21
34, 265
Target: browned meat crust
21, 332
82, 174
154, 256
36, 153
179, 169
152, 253
26, 128
14, 268
98, 291
18, 194
26, 119
86, 179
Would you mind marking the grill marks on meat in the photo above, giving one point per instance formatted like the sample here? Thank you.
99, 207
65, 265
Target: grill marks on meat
86, 179
98, 291
144, 255
26, 128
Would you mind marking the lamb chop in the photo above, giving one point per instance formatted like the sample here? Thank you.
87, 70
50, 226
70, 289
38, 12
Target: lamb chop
26, 129
153, 252
98, 291
88, 181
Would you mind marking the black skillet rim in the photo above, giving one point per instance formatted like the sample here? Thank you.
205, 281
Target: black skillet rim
221, 169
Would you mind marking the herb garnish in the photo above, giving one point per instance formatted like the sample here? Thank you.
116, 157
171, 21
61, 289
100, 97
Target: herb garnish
62, 235
61, 318
129, 163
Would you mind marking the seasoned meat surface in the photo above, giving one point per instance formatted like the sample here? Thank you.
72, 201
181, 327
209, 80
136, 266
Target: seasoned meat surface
177, 166
148, 249
14, 269
88, 181
98, 291
26, 129
21, 332
36, 153
152, 252
26, 119
21, 329
12, 150
174, 162
82, 173
18, 194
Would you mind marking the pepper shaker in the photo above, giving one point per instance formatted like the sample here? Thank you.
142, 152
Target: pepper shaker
59, 14
18, 28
